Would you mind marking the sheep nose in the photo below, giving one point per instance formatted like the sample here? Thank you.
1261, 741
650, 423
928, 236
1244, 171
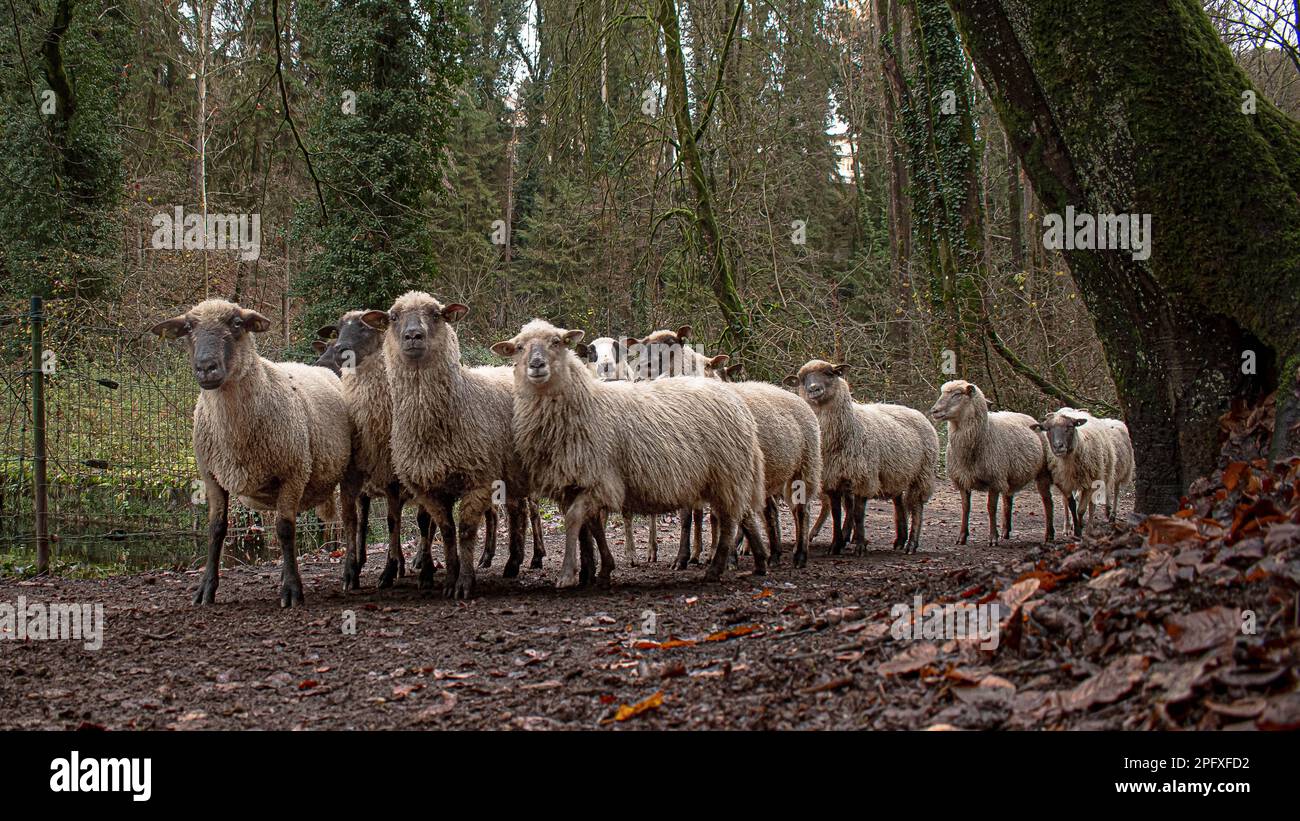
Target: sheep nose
206, 367
413, 334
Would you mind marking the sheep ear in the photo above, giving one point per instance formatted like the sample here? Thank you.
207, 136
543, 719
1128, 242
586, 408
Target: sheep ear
573, 336
970, 389
732, 370
684, 332
789, 381
718, 361
1038, 427
327, 332
582, 350
1078, 422
173, 328
255, 322
318, 345
375, 319
629, 341
839, 369
455, 312
506, 348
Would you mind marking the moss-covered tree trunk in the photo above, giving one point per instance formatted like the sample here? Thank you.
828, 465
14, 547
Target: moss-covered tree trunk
1135, 106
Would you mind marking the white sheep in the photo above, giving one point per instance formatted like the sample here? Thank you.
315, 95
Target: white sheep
996, 451
638, 447
451, 433
1083, 461
274, 434
874, 451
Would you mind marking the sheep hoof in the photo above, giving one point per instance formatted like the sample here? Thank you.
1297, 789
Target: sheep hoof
800, 559
760, 569
351, 574
680, 563
511, 569
426, 577
695, 560
536, 563
207, 592
568, 578
712, 574
391, 571
603, 581
291, 593
961, 541
486, 561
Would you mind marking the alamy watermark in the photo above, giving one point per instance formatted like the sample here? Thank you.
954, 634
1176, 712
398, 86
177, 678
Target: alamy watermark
180, 231
57, 621
954, 620
1088, 232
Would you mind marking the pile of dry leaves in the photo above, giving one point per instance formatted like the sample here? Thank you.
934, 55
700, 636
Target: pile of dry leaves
1175, 621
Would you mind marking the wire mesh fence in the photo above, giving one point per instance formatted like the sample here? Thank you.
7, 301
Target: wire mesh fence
121, 483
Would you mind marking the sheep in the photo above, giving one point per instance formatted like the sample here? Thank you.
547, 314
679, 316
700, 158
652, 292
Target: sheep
1084, 453
274, 434
874, 451
789, 437
1125, 464
639, 447
355, 350
997, 451
607, 359
451, 432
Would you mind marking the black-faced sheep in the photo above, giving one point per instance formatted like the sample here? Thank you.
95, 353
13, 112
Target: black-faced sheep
274, 434
638, 447
996, 451
451, 427
874, 451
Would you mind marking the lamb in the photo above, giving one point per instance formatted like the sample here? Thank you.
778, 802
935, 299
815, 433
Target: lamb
587, 443
1125, 464
1084, 460
874, 451
450, 439
274, 434
997, 451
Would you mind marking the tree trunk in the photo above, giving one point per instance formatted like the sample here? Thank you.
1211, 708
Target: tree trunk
1119, 106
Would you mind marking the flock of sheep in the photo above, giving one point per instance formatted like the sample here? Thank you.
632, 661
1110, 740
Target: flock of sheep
633, 426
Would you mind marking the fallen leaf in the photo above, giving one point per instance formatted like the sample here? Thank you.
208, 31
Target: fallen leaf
627, 711
1111, 684
1203, 629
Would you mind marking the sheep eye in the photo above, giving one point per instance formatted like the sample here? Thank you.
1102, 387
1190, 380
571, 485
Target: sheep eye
237, 322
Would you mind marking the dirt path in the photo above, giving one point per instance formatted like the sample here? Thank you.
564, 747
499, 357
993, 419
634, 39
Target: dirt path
792, 651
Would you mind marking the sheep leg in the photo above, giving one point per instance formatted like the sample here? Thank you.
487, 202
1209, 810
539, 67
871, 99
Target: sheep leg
726, 536
900, 523
286, 526
837, 528
685, 553
489, 537
441, 510
218, 517
697, 524
801, 535
629, 540
993, 518
772, 518
396, 564
859, 525
965, 517
576, 514
363, 528
517, 511
586, 549
475, 509
1007, 500
606, 557
652, 548
350, 499
713, 534
749, 526
914, 537
535, 520
427, 529
822, 512
1045, 492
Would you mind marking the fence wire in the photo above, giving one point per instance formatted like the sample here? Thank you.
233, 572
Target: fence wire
122, 483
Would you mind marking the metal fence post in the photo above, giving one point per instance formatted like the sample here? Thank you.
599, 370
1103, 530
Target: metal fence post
40, 500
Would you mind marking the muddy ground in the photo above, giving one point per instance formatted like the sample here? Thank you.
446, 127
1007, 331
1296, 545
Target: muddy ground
793, 649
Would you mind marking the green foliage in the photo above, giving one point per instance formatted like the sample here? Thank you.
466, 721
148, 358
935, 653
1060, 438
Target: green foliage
379, 165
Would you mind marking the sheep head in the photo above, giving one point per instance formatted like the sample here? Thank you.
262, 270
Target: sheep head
1060, 429
418, 326
357, 337
541, 354
957, 400
219, 336
606, 357
820, 381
